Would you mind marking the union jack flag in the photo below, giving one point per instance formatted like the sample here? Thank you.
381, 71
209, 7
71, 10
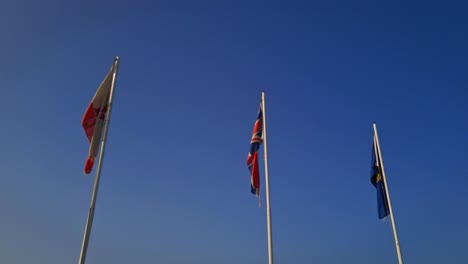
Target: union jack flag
252, 158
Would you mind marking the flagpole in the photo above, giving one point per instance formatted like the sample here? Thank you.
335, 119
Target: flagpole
267, 183
89, 223
387, 192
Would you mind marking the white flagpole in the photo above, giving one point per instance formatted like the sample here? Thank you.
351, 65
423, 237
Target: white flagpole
89, 223
387, 192
267, 183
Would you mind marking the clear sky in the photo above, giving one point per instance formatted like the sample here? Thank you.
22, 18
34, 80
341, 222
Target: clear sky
175, 187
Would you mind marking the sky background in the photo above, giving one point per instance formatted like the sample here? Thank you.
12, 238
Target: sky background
175, 187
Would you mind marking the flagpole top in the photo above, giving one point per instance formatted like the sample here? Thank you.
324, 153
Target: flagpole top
117, 58
374, 125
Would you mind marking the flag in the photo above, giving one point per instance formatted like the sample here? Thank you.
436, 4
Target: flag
377, 181
94, 118
252, 158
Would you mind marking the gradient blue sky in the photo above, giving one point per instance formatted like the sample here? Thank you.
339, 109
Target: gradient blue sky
175, 188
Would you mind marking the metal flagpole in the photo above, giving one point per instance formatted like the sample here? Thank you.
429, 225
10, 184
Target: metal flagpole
387, 192
89, 223
267, 183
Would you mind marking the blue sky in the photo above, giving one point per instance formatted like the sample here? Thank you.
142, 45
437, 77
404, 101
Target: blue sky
175, 187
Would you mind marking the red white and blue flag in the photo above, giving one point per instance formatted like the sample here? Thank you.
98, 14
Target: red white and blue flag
252, 158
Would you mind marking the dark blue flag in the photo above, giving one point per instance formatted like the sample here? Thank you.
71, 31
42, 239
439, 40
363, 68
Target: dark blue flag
377, 181
252, 158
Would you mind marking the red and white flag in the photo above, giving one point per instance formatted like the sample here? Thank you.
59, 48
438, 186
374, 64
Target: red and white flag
94, 118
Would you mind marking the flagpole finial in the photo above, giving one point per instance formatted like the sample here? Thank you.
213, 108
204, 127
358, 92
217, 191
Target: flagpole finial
117, 58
